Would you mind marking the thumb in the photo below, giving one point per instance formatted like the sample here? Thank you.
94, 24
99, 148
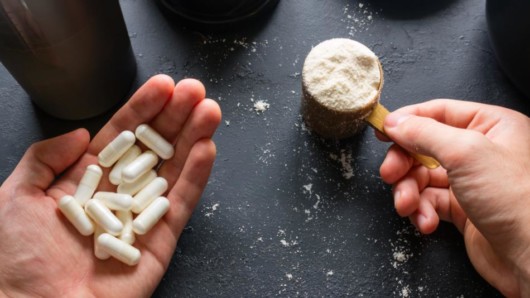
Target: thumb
451, 146
45, 160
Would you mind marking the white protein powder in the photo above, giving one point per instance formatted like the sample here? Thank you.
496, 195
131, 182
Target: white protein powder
342, 74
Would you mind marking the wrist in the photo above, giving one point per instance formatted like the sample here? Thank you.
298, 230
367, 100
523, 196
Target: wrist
8, 292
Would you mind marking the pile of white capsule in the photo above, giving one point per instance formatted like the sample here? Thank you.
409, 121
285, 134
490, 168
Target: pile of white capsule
109, 215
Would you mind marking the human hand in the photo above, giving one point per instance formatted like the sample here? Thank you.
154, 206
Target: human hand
482, 188
42, 254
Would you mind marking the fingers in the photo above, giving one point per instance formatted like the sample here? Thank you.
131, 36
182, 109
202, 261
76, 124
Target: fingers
184, 196
407, 190
167, 108
425, 219
201, 124
186, 95
449, 145
397, 164
381, 137
406, 196
146, 103
188, 189
456, 113
45, 160
427, 207
423, 195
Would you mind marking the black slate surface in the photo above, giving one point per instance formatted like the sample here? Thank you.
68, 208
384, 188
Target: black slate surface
286, 213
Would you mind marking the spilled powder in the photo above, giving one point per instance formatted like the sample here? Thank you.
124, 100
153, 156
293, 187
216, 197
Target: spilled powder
357, 18
345, 160
261, 106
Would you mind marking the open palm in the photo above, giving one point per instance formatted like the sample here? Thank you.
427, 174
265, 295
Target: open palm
41, 253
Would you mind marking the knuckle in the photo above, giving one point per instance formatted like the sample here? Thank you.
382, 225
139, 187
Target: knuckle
417, 130
35, 147
466, 145
411, 130
205, 151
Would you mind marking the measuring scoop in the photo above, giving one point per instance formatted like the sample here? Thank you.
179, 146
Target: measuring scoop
377, 118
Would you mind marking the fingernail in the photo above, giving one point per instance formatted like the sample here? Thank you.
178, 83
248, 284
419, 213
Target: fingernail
394, 119
397, 195
422, 220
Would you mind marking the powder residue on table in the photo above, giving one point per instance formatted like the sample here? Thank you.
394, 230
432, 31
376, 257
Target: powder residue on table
261, 106
358, 17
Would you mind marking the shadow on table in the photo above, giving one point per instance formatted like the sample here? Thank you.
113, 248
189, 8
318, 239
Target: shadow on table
484, 80
250, 26
343, 171
51, 126
409, 9
216, 52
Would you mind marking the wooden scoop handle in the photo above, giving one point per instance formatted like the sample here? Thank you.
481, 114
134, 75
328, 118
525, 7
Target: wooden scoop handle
376, 119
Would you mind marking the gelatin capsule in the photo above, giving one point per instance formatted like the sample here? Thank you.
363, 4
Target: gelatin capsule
119, 249
147, 219
98, 251
73, 211
115, 174
139, 166
116, 148
88, 184
154, 141
103, 217
127, 234
137, 185
152, 191
115, 201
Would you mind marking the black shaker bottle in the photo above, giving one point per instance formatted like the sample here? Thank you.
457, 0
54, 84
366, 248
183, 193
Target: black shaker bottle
73, 58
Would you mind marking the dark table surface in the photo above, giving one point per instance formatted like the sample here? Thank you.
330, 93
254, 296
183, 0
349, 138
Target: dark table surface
286, 213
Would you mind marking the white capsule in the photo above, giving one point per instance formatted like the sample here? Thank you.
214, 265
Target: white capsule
151, 215
103, 217
154, 141
88, 184
152, 191
127, 234
115, 201
137, 185
73, 211
116, 148
98, 251
127, 158
139, 166
119, 249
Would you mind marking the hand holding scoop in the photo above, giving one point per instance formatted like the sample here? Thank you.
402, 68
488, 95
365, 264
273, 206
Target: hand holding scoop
342, 81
